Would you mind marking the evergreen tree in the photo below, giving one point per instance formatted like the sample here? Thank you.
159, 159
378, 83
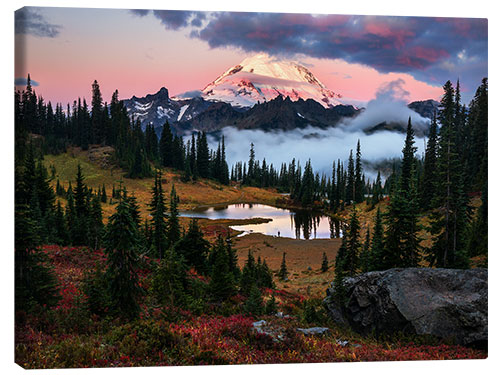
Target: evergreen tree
96, 226
428, 189
477, 150
186, 173
96, 133
263, 275
350, 184
104, 197
324, 263
233, 259
254, 305
194, 248
477, 239
351, 258
364, 257
377, 191
80, 227
192, 158
271, 307
358, 172
157, 209
306, 194
283, 272
35, 282
340, 273
173, 226
401, 240
61, 228
248, 277
203, 156
122, 247
449, 219
170, 283
378, 260
165, 146
251, 165
222, 285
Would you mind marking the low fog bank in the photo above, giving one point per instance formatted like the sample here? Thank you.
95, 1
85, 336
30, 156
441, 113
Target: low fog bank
390, 106
321, 146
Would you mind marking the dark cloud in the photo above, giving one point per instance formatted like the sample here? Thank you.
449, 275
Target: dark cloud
389, 44
140, 12
22, 81
174, 19
29, 21
428, 48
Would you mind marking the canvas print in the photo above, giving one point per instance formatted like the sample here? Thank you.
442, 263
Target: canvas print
212, 188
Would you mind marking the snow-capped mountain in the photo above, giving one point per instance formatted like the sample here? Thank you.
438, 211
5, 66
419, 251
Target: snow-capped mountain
159, 107
261, 78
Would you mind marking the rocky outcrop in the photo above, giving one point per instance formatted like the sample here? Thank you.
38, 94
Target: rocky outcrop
446, 303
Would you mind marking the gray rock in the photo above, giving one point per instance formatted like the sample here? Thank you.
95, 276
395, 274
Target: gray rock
280, 314
345, 343
313, 331
445, 303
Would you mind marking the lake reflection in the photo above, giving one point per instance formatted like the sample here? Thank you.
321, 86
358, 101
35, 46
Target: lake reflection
299, 224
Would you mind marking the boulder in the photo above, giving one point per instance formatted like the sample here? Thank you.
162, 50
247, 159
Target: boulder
445, 303
313, 331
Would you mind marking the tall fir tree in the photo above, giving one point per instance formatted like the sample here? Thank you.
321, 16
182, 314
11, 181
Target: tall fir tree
428, 188
222, 284
449, 219
157, 208
353, 245
122, 246
358, 176
402, 243
350, 183
173, 226
283, 272
194, 248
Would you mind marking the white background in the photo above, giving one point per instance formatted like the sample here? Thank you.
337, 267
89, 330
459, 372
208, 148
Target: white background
444, 8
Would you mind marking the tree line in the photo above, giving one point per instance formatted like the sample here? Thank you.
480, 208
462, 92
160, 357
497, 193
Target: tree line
138, 152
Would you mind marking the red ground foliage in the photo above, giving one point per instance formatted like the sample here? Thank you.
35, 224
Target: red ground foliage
66, 336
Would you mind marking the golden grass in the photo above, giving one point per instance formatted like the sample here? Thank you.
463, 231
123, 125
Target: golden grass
303, 259
191, 195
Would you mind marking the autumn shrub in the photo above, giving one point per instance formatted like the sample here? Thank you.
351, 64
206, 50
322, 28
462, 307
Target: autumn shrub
141, 338
293, 339
313, 312
72, 352
263, 342
208, 357
239, 328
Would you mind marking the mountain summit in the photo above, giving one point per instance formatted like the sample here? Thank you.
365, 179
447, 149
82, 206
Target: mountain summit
261, 78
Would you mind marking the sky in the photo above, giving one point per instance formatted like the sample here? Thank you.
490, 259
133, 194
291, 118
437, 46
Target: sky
138, 51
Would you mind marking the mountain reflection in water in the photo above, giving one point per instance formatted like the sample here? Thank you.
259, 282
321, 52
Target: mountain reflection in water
298, 224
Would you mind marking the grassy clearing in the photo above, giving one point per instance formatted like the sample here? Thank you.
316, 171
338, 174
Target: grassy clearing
192, 194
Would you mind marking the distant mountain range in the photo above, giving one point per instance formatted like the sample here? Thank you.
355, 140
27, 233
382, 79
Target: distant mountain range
260, 93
